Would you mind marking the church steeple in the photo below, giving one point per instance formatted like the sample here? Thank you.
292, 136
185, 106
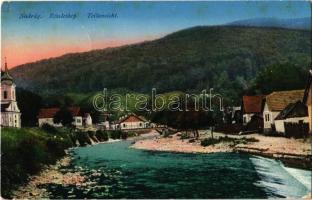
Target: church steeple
6, 76
6, 65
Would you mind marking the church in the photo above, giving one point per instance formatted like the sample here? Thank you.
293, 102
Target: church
10, 114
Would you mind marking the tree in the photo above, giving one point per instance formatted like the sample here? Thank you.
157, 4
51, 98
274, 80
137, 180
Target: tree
187, 120
280, 77
64, 117
29, 104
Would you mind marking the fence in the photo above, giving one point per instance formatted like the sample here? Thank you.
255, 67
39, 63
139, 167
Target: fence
296, 130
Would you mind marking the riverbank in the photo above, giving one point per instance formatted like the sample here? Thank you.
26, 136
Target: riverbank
293, 152
54, 174
25, 152
49, 175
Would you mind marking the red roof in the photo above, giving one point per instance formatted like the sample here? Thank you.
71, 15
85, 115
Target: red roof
50, 112
131, 118
252, 104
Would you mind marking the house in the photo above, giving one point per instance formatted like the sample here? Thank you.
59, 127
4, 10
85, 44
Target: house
46, 116
307, 99
251, 105
10, 113
293, 113
131, 121
277, 102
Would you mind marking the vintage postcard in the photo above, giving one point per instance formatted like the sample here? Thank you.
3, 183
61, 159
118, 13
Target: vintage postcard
156, 99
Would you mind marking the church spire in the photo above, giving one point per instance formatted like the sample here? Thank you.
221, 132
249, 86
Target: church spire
5, 65
6, 76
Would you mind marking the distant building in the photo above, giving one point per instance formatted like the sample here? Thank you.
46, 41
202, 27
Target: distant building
87, 120
131, 121
233, 115
307, 99
46, 116
277, 102
10, 113
251, 106
294, 113
104, 120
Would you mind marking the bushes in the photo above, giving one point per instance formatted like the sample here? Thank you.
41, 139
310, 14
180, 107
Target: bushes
49, 128
83, 138
131, 134
116, 134
184, 136
212, 141
209, 141
124, 135
167, 132
101, 135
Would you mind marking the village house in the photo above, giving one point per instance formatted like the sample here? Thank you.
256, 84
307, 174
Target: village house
252, 106
46, 116
307, 99
10, 113
131, 121
275, 103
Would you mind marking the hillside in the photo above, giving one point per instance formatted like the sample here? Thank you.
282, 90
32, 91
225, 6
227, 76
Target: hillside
226, 58
297, 23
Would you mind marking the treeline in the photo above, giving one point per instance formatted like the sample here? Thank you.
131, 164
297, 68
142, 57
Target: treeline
275, 77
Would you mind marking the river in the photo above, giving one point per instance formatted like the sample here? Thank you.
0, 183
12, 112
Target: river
114, 170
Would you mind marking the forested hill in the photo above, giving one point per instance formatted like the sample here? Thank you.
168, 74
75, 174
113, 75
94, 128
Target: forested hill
226, 58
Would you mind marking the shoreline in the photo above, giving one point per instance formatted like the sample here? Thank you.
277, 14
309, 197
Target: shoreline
295, 157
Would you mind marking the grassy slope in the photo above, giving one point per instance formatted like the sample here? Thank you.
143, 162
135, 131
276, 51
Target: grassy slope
25, 151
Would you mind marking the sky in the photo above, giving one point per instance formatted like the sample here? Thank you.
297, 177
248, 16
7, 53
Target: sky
26, 40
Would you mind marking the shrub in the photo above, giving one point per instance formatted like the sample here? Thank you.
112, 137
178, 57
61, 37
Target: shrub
57, 145
209, 141
191, 140
234, 141
115, 134
49, 128
132, 134
251, 139
83, 138
184, 136
101, 135
124, 135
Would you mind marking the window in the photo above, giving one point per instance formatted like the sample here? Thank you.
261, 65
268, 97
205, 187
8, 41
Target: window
124, 125
267, 117
245, 120
78, 120
140, 124
5, 94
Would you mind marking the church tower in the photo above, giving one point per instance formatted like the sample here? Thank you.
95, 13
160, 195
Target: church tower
10, 113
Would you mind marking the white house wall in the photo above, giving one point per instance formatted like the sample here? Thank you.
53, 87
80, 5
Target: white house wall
133, 125
247, 118
267, 124
77, 121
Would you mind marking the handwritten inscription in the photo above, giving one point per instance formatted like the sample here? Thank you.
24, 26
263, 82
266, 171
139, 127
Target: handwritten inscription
89, 15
